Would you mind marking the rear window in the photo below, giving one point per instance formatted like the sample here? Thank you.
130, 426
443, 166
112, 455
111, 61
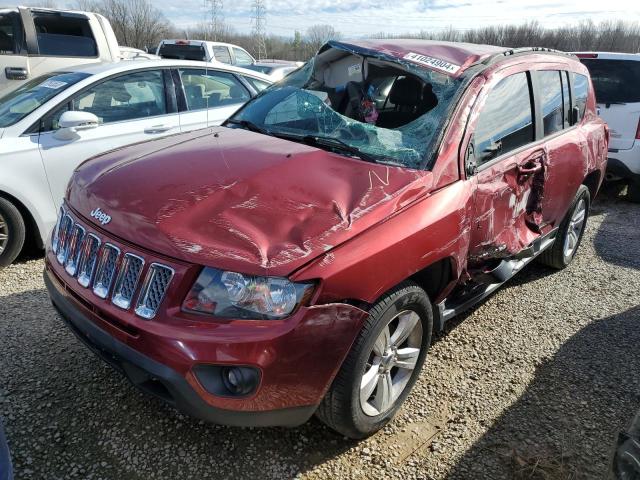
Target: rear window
182, 52
550, 84
10, 37
21, 102
615, 81
221, 54
64, 34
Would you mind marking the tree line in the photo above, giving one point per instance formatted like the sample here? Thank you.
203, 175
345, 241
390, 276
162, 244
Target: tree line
139, 24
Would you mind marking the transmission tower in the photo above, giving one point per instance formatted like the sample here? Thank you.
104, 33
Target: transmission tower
216, 15
259, 22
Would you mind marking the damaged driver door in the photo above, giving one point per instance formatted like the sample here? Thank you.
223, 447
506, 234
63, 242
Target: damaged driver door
508, 170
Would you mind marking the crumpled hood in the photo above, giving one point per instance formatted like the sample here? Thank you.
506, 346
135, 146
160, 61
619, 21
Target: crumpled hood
238, 200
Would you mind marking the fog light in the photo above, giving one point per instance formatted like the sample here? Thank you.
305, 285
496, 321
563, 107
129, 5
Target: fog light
239, 380
228, 381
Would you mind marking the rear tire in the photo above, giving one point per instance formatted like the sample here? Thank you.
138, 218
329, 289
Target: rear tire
12, 232
569, 236
385, 360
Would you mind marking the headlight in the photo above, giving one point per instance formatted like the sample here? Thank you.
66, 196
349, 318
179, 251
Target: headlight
235, 295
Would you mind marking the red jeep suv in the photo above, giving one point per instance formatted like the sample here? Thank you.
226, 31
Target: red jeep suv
298, 259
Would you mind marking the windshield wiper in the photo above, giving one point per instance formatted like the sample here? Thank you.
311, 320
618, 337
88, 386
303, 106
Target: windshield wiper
337, 144
247, 125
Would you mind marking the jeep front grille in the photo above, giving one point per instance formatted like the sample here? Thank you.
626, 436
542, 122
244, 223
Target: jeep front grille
63, 237
73, 249
127, 280
106, 270
88, 258
153, 290
99, 265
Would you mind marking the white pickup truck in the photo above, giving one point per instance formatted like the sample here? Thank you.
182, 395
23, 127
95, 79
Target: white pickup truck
34, 41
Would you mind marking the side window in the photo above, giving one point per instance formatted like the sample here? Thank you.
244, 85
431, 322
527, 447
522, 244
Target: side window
210, 89
259, 85
580, 93
506, 121
566, 99
10, 37
221, 54
550, 87
242, 57
128, 97
66, 36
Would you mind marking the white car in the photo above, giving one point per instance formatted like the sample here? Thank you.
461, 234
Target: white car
616, 80
53, 123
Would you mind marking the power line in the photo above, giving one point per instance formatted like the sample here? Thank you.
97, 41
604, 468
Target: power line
216, 15
259, 21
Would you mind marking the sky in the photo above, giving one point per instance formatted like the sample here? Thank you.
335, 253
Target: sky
357, 18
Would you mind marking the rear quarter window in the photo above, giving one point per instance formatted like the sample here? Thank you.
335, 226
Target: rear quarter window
64, 35
615, 81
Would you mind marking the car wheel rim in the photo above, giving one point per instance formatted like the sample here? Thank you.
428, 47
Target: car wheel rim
391, 363
4, 234
574, 229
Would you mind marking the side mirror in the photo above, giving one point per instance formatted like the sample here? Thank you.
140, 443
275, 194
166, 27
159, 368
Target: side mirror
72, 122
470, 158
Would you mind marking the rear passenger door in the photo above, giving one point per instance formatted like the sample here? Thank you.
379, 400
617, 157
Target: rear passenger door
131, 108
561, 100
508, 169
208, 97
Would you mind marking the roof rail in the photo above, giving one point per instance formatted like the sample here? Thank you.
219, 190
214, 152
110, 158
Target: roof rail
516, 51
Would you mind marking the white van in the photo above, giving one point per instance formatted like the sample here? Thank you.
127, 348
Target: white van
35, 41
616, 79
205, 51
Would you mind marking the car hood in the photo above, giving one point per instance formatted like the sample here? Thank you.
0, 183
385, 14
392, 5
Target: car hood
239, 200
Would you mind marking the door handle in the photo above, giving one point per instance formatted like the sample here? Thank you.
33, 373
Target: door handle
529, 168
16, 73
158, 129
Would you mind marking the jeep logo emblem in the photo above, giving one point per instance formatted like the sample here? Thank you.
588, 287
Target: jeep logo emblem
100, 216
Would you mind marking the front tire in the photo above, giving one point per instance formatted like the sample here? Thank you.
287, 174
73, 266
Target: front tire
12, 232
569, 236
383, 364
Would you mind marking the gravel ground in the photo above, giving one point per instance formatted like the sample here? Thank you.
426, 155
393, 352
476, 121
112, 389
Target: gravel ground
534, 383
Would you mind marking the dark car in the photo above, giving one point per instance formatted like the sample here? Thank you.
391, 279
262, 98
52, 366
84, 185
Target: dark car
298, 260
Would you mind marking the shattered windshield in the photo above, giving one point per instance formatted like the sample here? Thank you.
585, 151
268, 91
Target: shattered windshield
360, 104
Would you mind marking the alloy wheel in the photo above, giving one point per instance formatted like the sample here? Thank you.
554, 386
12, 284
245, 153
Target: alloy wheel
4, 234
574, 229
391, 363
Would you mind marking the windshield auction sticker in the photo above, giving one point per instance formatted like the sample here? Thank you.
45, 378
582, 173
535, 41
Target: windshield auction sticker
434, 63
54, 84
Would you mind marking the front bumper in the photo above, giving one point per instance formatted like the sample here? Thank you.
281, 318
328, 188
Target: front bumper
279, 401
